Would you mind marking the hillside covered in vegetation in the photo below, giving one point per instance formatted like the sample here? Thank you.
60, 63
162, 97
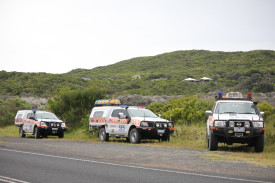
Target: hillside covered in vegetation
162, 74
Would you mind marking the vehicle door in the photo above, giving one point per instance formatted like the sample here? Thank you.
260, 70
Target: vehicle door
29, 123
118, 122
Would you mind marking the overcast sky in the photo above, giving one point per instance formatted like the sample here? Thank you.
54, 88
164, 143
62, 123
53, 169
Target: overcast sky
60, 35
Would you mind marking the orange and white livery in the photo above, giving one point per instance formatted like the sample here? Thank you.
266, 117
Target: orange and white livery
133, 123
39, 124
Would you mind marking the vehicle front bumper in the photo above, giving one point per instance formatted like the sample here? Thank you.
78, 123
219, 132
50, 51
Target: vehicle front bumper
52, 130
155, 133
228, 132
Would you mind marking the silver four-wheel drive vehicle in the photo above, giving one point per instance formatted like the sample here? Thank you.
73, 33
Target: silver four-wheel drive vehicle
235, 119
130, 122
39, 123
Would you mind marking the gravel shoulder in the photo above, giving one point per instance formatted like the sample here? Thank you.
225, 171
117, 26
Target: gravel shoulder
140, 155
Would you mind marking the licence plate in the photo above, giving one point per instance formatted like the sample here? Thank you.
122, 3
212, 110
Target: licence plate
161, 131
239, 129
54, 129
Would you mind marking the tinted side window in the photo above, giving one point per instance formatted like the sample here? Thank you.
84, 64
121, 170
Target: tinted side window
117, 111
19, 116
98, 114
30, 115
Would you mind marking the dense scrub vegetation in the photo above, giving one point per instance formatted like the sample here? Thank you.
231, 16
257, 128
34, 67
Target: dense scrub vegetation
164, 74
8, 109
17, 83
186, 110
160, 75
73, 105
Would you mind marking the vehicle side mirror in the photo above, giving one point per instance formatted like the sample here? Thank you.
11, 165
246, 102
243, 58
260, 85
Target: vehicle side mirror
209, 113
159, 115
128, 120
261, 113
121, 116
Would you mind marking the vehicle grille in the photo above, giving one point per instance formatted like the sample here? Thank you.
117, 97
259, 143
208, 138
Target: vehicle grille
53, 124
161, 125
239, 123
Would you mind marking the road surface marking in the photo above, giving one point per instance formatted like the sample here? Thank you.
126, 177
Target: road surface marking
137, 167
11, 180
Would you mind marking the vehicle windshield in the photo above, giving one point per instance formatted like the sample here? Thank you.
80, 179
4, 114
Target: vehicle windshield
46, 115
141, 113
235, 107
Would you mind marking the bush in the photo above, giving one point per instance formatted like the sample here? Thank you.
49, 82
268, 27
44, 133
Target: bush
267, 108
74, 105
8, 109
188, 110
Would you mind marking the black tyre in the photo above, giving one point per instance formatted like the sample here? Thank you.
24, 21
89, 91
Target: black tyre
37, 133
135, 136
259, 144
61, 134
103, 136
207, 140
165, 138
250, 143
21, 132
212, 142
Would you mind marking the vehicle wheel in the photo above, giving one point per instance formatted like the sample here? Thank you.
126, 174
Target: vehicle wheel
61, 134
135, 136
165, 138
250, 143
36, 133
213, 142
103, 136
21, 132
259, 144
207, 140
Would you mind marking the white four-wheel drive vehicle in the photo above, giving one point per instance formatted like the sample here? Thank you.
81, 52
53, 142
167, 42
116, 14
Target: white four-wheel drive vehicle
39, 123
133, 123
235, 119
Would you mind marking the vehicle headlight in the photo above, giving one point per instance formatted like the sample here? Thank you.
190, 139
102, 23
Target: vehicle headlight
246, 124
220, 123
145, 124
42, 124
63, 125
169, 125
165, 125
258, 124
231, 124
157, 125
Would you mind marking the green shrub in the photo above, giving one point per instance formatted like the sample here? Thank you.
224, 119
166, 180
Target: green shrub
187, 110
74, 105
267, 108
8, 109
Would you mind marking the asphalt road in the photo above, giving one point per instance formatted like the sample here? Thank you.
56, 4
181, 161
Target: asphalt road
37, 160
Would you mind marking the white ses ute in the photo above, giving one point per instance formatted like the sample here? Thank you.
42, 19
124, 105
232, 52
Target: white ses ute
133, 123
39, 123
235, 119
